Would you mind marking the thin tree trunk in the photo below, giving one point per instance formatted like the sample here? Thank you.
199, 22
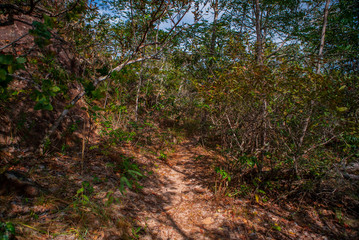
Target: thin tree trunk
320, 56
214, 28
262, 141
77, 98
138, 94
322, 39
243, 17
258, 33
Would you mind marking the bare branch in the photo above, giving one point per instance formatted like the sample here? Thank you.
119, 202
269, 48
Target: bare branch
318, 145
19, 38
81, 94
278, 49
36, 86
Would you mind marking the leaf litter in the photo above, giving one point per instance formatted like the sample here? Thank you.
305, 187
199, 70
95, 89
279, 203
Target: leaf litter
175, 200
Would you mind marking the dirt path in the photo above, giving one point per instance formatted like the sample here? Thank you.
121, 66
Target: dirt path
176, 203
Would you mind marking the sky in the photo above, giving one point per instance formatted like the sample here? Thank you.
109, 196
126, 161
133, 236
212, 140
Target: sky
187, 19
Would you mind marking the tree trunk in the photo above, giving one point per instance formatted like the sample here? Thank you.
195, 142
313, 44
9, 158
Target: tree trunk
259, 43
262, 135
322, 39
56, 124
214, 28
138, 93
320, 56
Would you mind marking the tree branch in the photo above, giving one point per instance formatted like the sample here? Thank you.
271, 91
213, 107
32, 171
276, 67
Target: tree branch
80, 95
8, 45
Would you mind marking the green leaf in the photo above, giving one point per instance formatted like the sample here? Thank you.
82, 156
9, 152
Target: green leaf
21, 60
276, 227
342, 109
55, 89
42, 106
85, 199
135, 173
48, 21
125, 180
342, 87
261, 191
81, 190
89, 87
96, 108
6, 59
10, 227
110, 200
10, 69
3, 74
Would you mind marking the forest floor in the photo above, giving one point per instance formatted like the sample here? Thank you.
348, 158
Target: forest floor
176, 201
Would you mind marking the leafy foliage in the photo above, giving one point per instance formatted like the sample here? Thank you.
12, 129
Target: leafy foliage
259, 82
7, 230
8, 65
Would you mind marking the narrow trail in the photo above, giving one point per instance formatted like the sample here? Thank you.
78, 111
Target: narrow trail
177, 203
